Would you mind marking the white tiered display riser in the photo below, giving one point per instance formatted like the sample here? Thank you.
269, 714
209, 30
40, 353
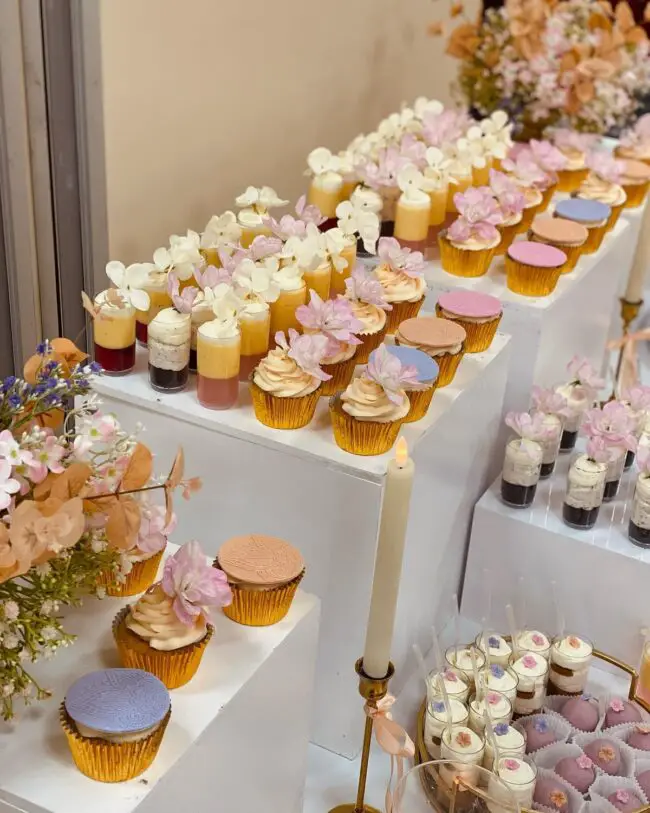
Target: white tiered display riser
546, 331
300, 486
601, 577
237, 738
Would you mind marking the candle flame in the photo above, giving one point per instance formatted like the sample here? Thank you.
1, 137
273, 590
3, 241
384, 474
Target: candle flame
401, 452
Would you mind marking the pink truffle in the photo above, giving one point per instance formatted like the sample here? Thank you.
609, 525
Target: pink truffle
639, 738
538, 734
550, 793
621, 711
625, 800
644, 780
578, 771
581, 712
605, 754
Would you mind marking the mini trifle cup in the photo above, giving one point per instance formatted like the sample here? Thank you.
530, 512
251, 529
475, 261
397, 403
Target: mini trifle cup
459, 659
169, 350
464, 749
218, 353
283, 310
252, 226
499, 649
501, 679
584, 492
519, 777
639, 525
571, 657
202, 312
533, 269
635, 181
255, 329
550, 446
510, 743
532, 670
532, 640
454, 682
441, 339
566, 235
412, 215
319, 279
159, 299
419, 394
401, 275
114, 334
114, 721
479, 315
436, 720
589, 213
578, 402
263, 573
494, 705
471, 259
325, 187
522, 464
614, 473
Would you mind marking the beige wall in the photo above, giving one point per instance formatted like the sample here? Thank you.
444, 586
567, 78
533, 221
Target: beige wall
203, 97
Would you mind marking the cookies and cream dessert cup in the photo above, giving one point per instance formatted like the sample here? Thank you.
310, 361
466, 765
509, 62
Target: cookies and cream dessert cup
571, 657
463, 749
635, 181
459, 659
263, 573
521, 468
519, 778
114, 721
255, 204
492, 705
454, 681
441, 339
285, 388
494, 645
436, 720
589, 213
366, 297
639, 525
565, 235
614, 473
293, 294
114, 333
479, 314
420, 394
501, 679
169, 340
578, 401
159, 299
167, 630
551, 445
532, 671
401, 275
218, 358
413, 209
584, 492
510, 743
326, 187
533, 269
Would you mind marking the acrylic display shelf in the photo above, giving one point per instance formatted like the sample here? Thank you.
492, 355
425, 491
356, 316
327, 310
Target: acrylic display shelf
245, 714
602, 578
547, 331
300, 486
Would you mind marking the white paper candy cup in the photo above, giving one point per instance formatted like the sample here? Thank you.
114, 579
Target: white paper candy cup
604, 786
627, 754
555, 702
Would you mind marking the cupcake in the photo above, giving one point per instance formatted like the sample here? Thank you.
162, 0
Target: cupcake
285, 386
263, 573
254, 205
533, 269
635, 181
511, 202
551, 161
532, 181
635, 142
401, 275
566, 235
469, 244
366, 418
369, 306
335, 320
441, 339
575, 147
478, 314
419, 394
604, 184
141, 562
167, 630
114, 721
589, 213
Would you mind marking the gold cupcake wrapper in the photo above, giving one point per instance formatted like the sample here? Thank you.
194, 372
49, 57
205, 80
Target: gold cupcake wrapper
527, 217
420, 402
283, 413
111, 761
508, 234
596, 237
569, 180
613, 218
175, 668
400, 313
547, 197
480, 335
530, 280
142, 576
370, 342
463, 263
361, 437
635, 194
260, 608
573, 253
447, 367
341, 376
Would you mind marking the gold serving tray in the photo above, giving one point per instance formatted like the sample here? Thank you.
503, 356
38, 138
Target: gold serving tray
422, 755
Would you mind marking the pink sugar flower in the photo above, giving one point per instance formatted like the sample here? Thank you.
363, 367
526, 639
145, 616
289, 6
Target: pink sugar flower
309, 213
529, 661
613, 423
387, 370
414, 150
597, 450
582, 372
154, 531
511, 764
363, 286
547, 156
263, 246
529, 427
478, 205
509, 196
441, 129
182, 300
194, 585
638, 397
527, 170
571, 140
383, 172
334, 318
584, 762
603, 164
401, 259
622, 796
616, 704
211, 277
307, 350
548, 401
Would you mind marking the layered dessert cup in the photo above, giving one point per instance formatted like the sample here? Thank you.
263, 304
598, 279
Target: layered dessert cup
114, 334
169, 343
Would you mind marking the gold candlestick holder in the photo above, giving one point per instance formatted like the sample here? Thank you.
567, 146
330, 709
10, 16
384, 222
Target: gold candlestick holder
372, 690
629, 312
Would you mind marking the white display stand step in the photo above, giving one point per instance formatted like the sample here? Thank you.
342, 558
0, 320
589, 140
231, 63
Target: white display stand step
300, 486
602, 578
237, 739
547, 331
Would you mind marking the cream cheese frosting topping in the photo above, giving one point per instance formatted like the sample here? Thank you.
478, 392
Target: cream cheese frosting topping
399, 287
280, 375
153, 619
366, 400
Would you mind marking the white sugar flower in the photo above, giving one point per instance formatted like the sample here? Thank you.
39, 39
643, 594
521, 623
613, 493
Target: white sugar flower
357, 220
413, 183
437, 168
226, 305
424, 106
255, 280
221, 229
288, 277
260, 199
305, 252
471, 150
497, 131
322, 162
130, 281
368, 199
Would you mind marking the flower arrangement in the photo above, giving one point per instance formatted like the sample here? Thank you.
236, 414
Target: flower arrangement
530, 428
333, 319
610, 429
578, 63
72, 507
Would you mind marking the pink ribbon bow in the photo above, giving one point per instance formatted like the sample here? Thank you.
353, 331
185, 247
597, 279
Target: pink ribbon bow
392, 739
629, 373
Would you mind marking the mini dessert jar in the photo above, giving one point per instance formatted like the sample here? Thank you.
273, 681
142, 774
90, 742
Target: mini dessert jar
521, 469
532, 670
566, 235
255, 328
519, 777
478, 314
459, 659
436, 720
464, 749
589, 213
571, 657
169, 343
551, 446
454, 681
635, 181
499, 649
114, 334
441, 339
492, 705
578, 403
510, 743
218, 355
614, 474
159, 299
584, 492
639, 527
533, 269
